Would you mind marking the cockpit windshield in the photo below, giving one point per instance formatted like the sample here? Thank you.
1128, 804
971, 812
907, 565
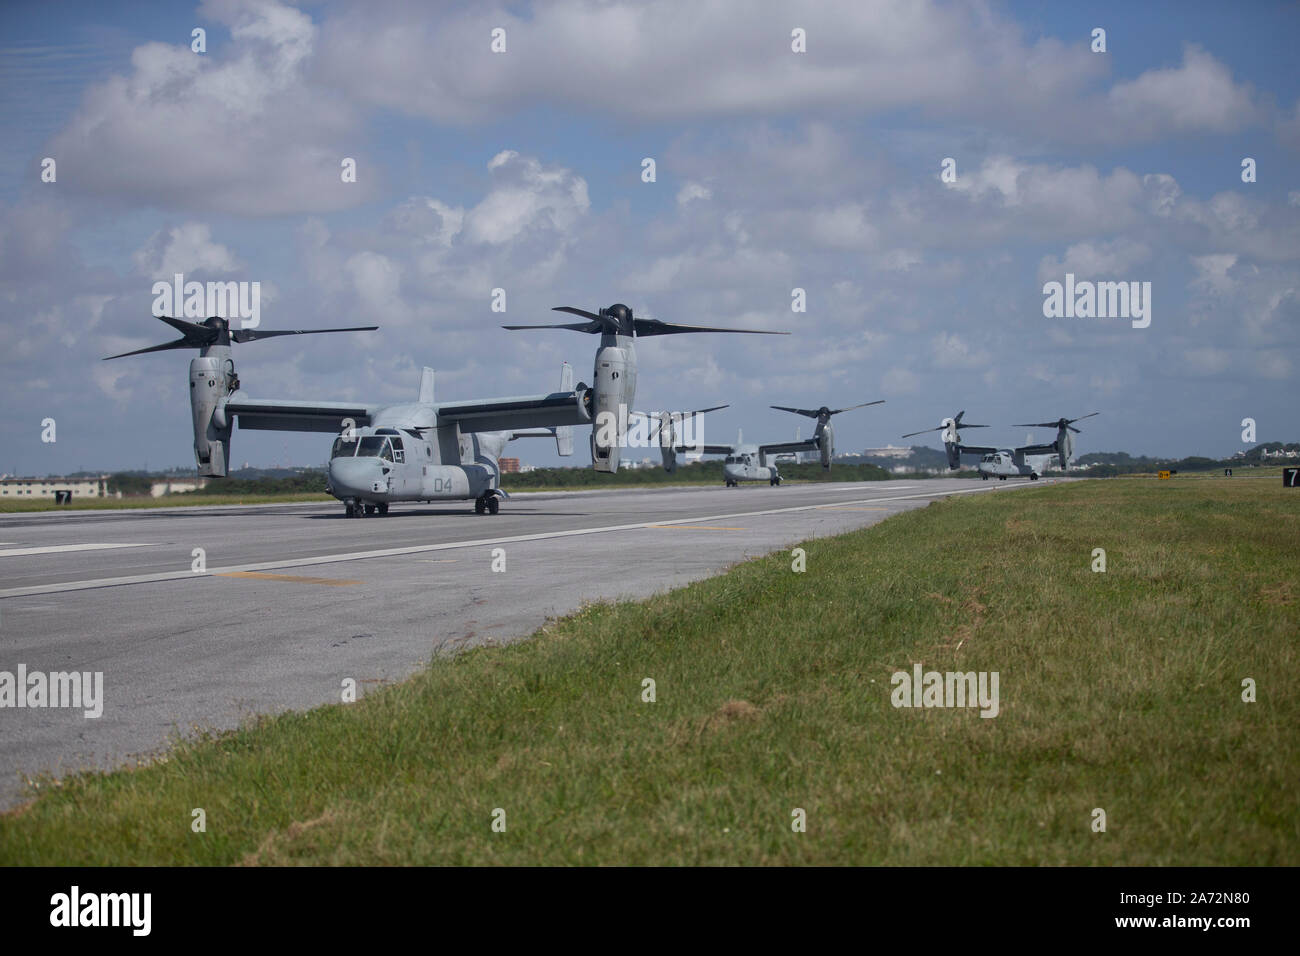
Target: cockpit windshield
375, 446
344, 448
989, 459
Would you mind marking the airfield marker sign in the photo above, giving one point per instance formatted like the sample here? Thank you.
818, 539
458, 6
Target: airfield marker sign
1291, 477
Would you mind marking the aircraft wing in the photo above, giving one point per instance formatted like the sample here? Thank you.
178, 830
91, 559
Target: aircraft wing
978, 449
1037, 449
283, 416
515, 414
705, 449
777, 448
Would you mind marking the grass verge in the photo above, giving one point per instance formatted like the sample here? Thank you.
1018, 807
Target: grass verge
1119, 690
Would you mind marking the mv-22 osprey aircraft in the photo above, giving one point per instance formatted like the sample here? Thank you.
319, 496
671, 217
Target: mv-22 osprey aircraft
1027, 461
758, 462
423, 450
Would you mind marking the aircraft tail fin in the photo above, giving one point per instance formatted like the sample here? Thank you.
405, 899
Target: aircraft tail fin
426, 386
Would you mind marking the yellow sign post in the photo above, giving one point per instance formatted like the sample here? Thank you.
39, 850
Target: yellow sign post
1162, 475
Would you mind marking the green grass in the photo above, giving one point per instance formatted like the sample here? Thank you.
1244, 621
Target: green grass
1119, 690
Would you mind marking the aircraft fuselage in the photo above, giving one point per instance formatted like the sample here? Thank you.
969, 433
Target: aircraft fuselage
406, 456
746, 463
1007, 463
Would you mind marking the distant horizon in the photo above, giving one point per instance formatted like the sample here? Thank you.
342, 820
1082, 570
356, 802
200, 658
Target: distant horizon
322, 466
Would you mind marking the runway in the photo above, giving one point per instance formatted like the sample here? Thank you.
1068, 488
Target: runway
291, 600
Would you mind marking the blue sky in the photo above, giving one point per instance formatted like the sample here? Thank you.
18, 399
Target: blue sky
521, 170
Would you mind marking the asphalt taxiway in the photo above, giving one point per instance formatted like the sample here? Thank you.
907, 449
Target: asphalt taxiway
289, 600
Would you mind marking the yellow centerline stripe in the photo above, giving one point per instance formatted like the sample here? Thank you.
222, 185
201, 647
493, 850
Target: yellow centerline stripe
332, 582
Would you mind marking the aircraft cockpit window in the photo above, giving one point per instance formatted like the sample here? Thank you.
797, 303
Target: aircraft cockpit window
375, 446
399, 456
344, 448
731, 459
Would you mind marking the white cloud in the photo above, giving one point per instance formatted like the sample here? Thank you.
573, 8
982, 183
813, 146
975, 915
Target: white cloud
187, 248
900, 381
243, 133
1199, 96
524, 194
693, 190
950, 351
1114, 259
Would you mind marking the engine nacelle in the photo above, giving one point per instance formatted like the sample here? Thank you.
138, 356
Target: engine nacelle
613, 388
208, 390
954, 454
1064, 447
826, 444
668, 441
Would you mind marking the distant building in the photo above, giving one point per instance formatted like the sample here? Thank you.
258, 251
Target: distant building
508, 465
92, 487
889, 451
168, 486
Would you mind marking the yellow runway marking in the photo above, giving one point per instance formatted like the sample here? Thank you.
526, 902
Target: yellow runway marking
694, 527
332, 582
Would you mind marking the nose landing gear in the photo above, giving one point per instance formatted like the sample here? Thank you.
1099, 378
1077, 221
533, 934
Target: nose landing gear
356, 508
487, 503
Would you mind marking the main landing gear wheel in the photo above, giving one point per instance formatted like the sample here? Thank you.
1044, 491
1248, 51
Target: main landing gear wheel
493, 505
370, 509
774, 481
984, 477
383, 509
480, 506
1033, 477
1002, 477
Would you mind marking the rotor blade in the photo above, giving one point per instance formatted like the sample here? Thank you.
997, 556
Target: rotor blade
646, 327
806, 412
964, 425
1038, 425
592, 327
252, 335
851, 407
924, 431
582, 312
188, 328
1077, 431
178, 344
676, 415
1082, 417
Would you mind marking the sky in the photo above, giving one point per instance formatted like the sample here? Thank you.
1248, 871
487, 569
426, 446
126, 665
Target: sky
775, 170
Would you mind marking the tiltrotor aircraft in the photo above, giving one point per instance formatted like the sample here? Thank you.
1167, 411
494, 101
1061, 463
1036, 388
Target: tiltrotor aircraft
423, 450
1026, 461
758, 462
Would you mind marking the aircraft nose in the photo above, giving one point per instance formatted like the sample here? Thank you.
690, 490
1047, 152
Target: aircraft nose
356, 476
